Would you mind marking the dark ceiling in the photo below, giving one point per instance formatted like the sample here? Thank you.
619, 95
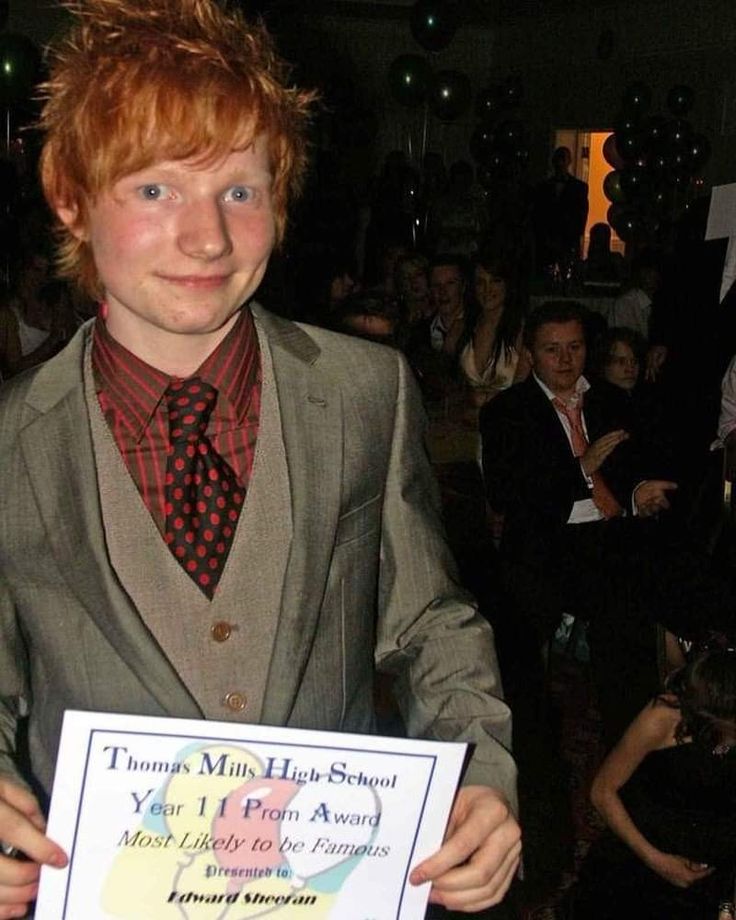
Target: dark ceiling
480, 12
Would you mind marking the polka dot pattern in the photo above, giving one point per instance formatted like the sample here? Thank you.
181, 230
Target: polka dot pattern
202, 491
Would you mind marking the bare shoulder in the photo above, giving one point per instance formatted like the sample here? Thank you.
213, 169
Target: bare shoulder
656, 723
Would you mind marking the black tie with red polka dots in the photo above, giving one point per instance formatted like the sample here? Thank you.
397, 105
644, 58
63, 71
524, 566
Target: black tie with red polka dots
203, 496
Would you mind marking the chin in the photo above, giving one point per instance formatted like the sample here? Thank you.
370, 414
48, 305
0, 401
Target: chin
196, 321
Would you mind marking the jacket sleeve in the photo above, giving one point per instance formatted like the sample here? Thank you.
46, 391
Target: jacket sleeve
430, 634
13, 685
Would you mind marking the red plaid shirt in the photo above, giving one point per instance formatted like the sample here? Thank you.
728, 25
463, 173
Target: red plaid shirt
131, 397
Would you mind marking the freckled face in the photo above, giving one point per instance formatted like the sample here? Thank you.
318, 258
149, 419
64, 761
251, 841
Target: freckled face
180, 246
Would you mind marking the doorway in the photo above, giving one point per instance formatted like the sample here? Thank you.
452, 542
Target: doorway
589, 164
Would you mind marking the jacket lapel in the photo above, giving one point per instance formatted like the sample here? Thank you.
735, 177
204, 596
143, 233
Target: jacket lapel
550, 430
312, 420
57, 450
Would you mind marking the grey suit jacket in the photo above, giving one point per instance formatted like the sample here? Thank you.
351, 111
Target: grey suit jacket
369, 581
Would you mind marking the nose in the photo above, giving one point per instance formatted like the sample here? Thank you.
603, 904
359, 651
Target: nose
203, 232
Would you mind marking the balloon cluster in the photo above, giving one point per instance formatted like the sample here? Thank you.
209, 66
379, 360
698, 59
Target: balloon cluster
655, 161
412, 78
20, 64
499, 143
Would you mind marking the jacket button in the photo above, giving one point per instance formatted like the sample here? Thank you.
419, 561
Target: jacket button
235, 701
221, 631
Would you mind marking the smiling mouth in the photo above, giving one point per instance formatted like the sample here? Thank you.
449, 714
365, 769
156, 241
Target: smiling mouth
197, 282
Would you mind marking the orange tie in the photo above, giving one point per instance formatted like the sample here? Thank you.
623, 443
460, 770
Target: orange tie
604, 500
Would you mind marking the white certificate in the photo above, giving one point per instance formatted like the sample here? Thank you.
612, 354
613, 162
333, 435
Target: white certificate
165, 819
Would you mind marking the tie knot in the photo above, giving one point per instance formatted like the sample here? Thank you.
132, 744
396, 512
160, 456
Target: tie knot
189, 403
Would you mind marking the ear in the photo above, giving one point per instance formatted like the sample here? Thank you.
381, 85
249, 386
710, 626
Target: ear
69, 215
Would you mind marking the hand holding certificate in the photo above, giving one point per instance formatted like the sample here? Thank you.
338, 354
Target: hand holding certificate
175, 818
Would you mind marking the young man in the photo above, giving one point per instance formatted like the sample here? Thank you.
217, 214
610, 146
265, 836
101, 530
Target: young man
560, 465
193, 483
447, 294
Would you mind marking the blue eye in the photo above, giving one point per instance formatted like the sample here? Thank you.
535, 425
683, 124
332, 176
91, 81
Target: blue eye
153, 191
238, 193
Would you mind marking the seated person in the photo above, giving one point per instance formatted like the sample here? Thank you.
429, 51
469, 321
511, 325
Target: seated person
559, 464
490, 353
447, 286
618, 359
634, 307
412, 288
668, 795
369, 315
602, 265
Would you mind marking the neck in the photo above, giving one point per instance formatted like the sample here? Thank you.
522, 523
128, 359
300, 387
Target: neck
177, 355
491, 314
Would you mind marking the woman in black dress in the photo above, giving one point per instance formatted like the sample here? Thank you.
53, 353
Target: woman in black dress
667, 792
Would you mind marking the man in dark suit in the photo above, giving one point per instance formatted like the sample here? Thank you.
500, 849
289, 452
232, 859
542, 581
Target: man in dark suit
560, 214
560, 465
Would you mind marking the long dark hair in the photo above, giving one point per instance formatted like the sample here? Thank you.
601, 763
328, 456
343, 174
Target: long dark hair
705, 690
511, 322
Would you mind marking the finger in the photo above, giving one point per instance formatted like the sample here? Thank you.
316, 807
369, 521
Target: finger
22, 801
15, 873
490, 829
485, 864
16, 910
478, 897
13, 896
21, 831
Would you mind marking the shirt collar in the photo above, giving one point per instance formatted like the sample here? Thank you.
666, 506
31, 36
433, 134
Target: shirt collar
581, 386
136, 388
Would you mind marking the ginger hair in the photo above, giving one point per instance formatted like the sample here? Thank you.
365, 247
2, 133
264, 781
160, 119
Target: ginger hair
139, 81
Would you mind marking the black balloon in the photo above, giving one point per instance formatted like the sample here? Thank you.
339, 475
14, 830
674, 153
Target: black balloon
20, 63
680, 99
487, 177
627, 123
637, 98
520, 156
433, 24
677, 134
660, 198
482, 143
628, 135
497, 160
610, 152
615, 211
511, 93
612, 187
635, 182
699, 151
659, 163
510, 135
409, 78
630, 145
653, 131
449, 95
486, 103
626, 222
